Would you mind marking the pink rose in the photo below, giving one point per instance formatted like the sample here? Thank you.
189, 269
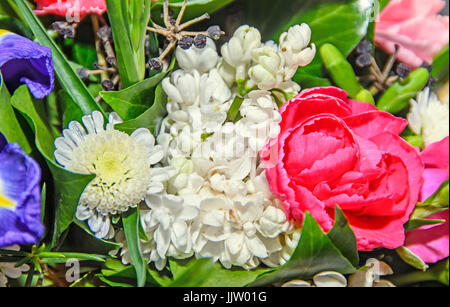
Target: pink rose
72, 8
430, 242
415, 26
335, 151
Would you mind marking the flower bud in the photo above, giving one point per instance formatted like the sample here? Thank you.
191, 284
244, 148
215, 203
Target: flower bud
294, 48
267, 73
182, 87
238, 51
227, 72
201, 59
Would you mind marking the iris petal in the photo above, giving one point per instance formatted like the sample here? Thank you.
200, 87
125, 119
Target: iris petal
25, 62
20, 199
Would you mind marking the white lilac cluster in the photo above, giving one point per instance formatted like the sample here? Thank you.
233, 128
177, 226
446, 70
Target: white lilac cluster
217, 204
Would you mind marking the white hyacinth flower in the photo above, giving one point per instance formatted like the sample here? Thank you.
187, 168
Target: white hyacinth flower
238, 51
121, 163
429, 117
9, 269
200, 59
168, 220
294, 48
195, 89
268, 69
227, 72
260, 119
183, 87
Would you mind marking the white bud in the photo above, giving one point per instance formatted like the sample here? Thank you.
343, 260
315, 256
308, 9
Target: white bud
182, 87
294, 48
227, 72
267, 73
238, 51
202, 60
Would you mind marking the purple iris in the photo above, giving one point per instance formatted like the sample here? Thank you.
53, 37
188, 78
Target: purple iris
25, 62
20, 197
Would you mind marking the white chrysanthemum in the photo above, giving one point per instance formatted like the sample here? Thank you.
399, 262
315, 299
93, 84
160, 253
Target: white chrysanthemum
429, 117
9, 269
120, 162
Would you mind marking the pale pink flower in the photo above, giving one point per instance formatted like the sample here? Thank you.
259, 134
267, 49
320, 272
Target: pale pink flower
430, 242
416, 27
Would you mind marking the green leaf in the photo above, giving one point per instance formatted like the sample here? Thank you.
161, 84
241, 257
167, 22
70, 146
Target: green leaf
195, 8
9, 125
134, 100
70, 109
311, 75
84, 55
202, 273
438, 202
131, 222
315, 253
150, 119
60, 257
440, 64
192, 273
68, 185
67, 77
115, 271
89, 280
343, 237
14, 25
129, 38
108, 245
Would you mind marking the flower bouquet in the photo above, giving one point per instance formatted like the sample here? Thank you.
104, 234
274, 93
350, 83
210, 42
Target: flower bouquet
223, 143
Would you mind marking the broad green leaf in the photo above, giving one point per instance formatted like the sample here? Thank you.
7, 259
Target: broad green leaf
195, 8
349, 17
315, 253
134, 100
343, 237
192, 273
150, 119
311, 75
68, 185
67, 77
200, 273
9, 126
70, 110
